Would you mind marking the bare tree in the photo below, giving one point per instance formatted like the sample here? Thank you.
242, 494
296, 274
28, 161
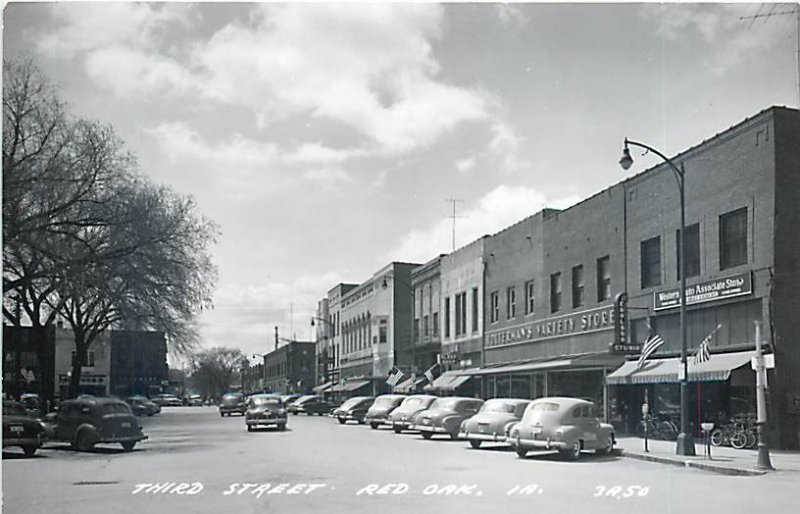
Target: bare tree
213, 370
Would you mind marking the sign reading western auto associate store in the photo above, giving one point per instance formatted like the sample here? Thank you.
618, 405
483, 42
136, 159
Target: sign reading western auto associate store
718, 289
584, 322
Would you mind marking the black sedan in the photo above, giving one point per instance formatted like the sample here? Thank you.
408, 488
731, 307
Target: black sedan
19, 429
353, 409
311, 404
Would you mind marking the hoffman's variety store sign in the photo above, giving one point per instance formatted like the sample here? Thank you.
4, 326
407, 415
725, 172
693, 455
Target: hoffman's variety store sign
584, 322
718, 289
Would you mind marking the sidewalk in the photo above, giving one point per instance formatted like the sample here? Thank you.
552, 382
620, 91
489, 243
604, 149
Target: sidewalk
725, 460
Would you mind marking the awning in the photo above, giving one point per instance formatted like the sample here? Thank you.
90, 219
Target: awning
323, 387
448, 381
409, 385
349, 386
578, 361
665, 371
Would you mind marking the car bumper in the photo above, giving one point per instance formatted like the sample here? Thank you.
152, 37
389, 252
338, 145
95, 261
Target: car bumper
231, 409
429, 428
348, 417
265, 421
403, 425
121, 439
537, 444
477, 436
37, 441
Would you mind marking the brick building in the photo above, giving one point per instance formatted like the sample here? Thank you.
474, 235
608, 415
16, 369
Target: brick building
290, 368
138, 362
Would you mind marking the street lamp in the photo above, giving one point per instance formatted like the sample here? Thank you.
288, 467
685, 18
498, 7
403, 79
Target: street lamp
685, 444
327, 358
384, 285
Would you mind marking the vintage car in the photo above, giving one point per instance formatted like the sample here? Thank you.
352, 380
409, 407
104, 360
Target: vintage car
20, 429
167, 400
401, 418
568, 425
311, 404
142, 406
265, 410
232, 402
445, 415
194, 400
354, 409
493, 421
32, 404
380, 410
85, 422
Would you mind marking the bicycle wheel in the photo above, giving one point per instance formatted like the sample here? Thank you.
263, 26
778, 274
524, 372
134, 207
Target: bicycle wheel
717, 437
752, 439
738, 440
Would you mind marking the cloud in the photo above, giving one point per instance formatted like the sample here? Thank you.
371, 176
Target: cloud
466, 164
138, 73
499, 208
511, 15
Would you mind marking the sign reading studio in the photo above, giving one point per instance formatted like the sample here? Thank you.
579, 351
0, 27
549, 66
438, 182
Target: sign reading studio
718, 289
593, 320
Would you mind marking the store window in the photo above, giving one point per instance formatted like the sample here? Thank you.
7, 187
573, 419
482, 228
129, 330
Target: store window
733, 239
692, 246
651, 262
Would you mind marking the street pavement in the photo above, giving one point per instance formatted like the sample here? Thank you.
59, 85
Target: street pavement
196, 461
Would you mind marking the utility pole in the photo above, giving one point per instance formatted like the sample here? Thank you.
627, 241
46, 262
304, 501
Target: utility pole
796, 13
453, 217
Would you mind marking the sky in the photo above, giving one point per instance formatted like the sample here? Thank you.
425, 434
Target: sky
327, 140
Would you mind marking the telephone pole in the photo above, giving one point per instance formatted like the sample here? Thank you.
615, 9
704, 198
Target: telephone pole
453, 217
796, 13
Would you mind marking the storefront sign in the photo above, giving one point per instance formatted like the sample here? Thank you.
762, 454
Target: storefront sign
584, 322
718, 289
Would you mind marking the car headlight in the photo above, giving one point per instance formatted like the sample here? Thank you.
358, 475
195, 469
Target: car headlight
281, 411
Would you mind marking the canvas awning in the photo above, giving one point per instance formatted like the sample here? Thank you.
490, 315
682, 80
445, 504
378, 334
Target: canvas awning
665, 371
409, 385
578, 361
448, 381
349, 386
323, 387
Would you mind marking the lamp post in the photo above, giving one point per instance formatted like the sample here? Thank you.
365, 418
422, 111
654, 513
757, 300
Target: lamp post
685, 442
384, 285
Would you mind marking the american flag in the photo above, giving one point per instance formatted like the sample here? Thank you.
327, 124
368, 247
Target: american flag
432, 373
702, 354
650, 345
394, 376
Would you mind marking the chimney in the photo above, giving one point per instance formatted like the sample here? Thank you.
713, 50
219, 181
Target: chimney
276, 338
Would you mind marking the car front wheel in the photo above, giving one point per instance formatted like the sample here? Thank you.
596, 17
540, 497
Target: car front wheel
397, 430
29, 450
250, 428
475, 444
128, 446
282, 427
374, 426
342, 421
521, 452
607, 448
84, 441
426, 435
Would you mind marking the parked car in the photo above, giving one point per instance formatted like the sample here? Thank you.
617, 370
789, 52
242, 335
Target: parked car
194, 400
167, 400
493, 421
568, 425
265, 410
142, 406
445, 416
20, 429
289, 399
380, 410
311, 404
402, 417
232, 402
353, 409
85, 422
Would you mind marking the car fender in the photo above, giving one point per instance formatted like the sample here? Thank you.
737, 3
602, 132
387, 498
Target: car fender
451, 422
570, 434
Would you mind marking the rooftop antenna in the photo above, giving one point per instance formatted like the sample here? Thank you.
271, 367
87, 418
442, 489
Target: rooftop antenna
771, 13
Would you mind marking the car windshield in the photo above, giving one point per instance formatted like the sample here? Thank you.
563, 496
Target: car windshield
305, 399
445, 403
265, 400
115, 408
14, 409
385, 402
497, 406
352, 402
231, 397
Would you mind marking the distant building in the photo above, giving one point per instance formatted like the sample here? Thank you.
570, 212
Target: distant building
28, 361
290, 368
426, 281
96, 370
138, 362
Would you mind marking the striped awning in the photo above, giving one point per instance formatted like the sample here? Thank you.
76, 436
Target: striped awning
448, 381
323, 387
666, 371
348, 386
409, 386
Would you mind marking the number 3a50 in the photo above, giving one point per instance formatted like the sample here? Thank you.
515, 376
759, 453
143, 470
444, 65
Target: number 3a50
632, 490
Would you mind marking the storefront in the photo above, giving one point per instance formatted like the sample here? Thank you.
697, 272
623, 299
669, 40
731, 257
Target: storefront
719, 389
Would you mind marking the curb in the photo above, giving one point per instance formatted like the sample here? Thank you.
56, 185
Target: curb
724, 470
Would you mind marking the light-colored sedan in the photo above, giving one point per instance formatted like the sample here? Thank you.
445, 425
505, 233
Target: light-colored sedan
402, 417
445, 416
380, 410
493, 421
568, 425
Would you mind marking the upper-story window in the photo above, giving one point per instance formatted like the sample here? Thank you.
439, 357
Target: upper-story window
511, 302
577, 286
603, 279
692, 249
475, 299
733, 239
651, 262
555, 292
495, 305
447, 317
